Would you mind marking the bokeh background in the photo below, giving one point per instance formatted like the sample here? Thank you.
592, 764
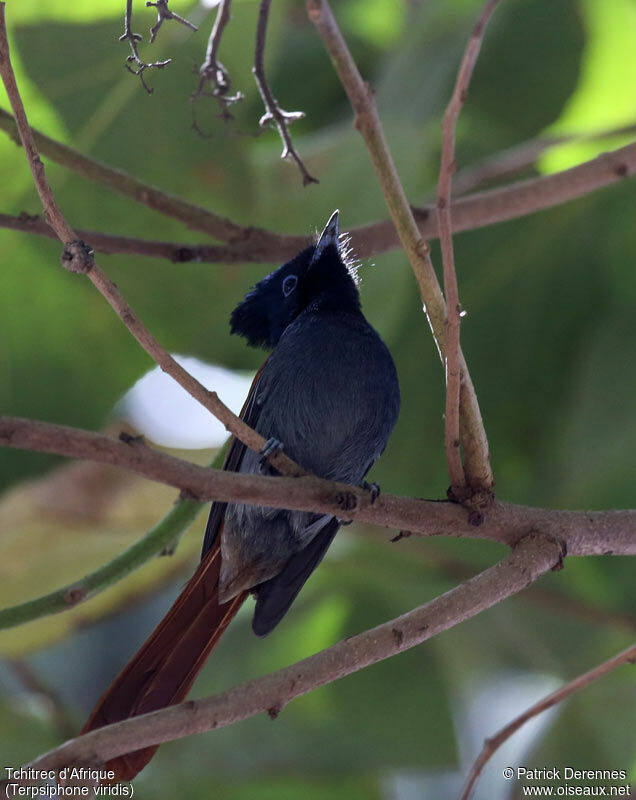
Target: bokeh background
550, 338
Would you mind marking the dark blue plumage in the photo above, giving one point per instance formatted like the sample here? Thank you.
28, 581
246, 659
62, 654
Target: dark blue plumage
329, 392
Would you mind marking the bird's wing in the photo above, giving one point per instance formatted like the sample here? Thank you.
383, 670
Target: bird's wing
275, 596
249, 414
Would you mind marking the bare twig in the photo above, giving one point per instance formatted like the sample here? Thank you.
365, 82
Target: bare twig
273, 112
108, 243
575, 685
163, 14
77, 257
584, 533
367, 122
212, 71
256, 245
453, 308
178, 252
193, 216
533, 557
134, 57
514, 159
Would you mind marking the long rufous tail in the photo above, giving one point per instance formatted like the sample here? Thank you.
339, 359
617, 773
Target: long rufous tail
166, 666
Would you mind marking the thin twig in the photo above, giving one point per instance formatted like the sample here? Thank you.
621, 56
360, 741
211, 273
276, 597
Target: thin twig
212, 71
77, 257
193, 216
134, 57
514, 159
494, 743
367, 122
109, 243
273, 112
584, 533
178, 252
52, 212
533, 557
162, 536
163, 14
453, 308
256, 245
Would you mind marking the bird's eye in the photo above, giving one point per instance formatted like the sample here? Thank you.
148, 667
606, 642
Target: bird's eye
289, 284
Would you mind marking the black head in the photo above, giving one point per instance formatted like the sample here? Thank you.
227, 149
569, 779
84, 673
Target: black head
318, 278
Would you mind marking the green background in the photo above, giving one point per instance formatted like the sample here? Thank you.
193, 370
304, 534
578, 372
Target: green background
550, 339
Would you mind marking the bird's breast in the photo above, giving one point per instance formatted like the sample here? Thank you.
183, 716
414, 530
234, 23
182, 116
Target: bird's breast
331, 396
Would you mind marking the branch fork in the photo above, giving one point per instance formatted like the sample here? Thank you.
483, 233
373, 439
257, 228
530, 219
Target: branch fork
461, 488
163, 14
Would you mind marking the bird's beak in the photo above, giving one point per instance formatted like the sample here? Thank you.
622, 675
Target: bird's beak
328, 237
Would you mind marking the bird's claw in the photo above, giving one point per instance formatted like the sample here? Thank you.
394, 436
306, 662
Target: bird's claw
373, 489
270, 448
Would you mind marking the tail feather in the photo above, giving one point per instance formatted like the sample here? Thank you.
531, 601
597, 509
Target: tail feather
164, 669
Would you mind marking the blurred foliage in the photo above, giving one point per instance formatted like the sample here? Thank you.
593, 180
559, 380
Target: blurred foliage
79, 517
603, 98
550, 340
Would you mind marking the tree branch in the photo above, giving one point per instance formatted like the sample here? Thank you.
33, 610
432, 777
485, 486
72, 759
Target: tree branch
534, 556
110, 244
584, 533
256, 245
367, 122
453, 308
273, 112
494, 743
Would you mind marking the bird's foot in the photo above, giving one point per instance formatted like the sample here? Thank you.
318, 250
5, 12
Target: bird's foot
373, 489
270, 448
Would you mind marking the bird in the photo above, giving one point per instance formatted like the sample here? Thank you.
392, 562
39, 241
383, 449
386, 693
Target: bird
328, 396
